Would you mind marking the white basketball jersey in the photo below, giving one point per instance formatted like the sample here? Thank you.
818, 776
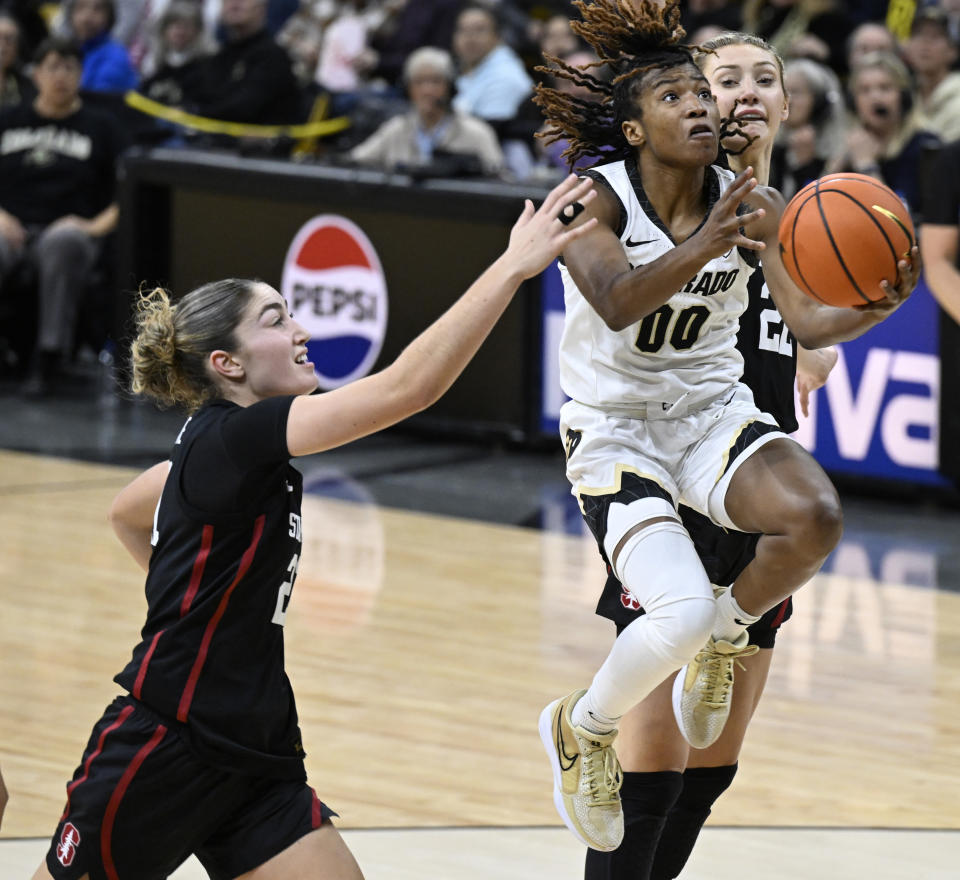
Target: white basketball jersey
686, 349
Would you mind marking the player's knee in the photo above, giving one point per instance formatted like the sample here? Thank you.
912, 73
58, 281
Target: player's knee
660, 566
703, 785
828, 517
683, 627
819, 522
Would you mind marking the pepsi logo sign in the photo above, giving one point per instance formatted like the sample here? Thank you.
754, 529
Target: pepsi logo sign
335, 287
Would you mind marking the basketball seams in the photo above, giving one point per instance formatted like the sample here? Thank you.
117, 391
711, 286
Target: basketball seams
836, 250
793, 249
854, 244
879, 225
839, 177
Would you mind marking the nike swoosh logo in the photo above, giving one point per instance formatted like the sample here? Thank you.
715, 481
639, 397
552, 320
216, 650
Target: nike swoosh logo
740, 622
630, 243
561, 748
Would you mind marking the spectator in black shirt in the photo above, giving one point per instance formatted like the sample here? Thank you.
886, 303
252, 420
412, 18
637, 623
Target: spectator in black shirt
57, 176
33, 25
251, 78
177, 52
15, 85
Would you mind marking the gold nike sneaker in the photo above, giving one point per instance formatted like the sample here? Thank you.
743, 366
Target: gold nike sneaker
586, 776
703, 690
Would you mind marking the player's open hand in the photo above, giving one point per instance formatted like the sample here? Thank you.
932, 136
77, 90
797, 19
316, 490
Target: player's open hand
723, 229
813, 370
908, 274
539, 236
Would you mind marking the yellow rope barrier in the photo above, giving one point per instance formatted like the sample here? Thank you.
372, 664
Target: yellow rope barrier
234, 129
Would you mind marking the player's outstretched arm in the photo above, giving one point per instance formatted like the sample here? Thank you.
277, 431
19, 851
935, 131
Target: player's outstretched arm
814, 324
131, 514
431, 363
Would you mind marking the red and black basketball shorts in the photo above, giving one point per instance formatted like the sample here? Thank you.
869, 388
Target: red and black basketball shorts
141, 803
724, 554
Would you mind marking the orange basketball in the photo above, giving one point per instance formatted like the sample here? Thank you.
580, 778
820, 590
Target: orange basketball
843, 234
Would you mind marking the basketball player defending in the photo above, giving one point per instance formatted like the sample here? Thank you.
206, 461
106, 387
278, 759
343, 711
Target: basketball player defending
657, 412
202, 754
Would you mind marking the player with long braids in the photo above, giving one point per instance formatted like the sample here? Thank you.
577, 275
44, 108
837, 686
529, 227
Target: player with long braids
669, 789
658, 415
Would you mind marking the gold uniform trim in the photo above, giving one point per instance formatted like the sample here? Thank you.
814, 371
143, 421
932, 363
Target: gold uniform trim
619, 471
726, 455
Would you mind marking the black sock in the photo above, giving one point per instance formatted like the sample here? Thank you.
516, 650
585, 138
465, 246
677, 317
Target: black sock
701, 788
647, 799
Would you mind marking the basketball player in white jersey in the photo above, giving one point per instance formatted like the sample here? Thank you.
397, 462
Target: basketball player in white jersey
657, 416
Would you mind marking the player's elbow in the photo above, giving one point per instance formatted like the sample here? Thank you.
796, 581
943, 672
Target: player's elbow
115, 512
813, 338
408, 391
613, 313
616, 323
120, 514
613, 299
812, 327
423, 396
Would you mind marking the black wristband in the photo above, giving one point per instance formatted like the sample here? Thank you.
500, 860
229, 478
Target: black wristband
570, 213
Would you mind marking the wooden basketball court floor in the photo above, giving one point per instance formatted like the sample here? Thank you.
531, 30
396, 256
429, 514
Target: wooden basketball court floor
422, 648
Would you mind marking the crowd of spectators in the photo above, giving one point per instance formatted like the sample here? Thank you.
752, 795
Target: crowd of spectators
445, 87
276, 61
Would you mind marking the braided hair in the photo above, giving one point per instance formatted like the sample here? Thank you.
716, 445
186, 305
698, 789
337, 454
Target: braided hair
630, 38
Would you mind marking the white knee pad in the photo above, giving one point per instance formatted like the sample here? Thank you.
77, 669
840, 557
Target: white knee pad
660, 566
623, 517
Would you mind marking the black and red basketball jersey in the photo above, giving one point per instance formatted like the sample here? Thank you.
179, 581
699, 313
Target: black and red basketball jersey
769, 355
226, 547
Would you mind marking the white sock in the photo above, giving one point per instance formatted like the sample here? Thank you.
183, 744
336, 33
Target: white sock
591, 718
732, 620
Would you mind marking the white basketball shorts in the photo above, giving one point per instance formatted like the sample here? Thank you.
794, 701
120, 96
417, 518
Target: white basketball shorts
657, 463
